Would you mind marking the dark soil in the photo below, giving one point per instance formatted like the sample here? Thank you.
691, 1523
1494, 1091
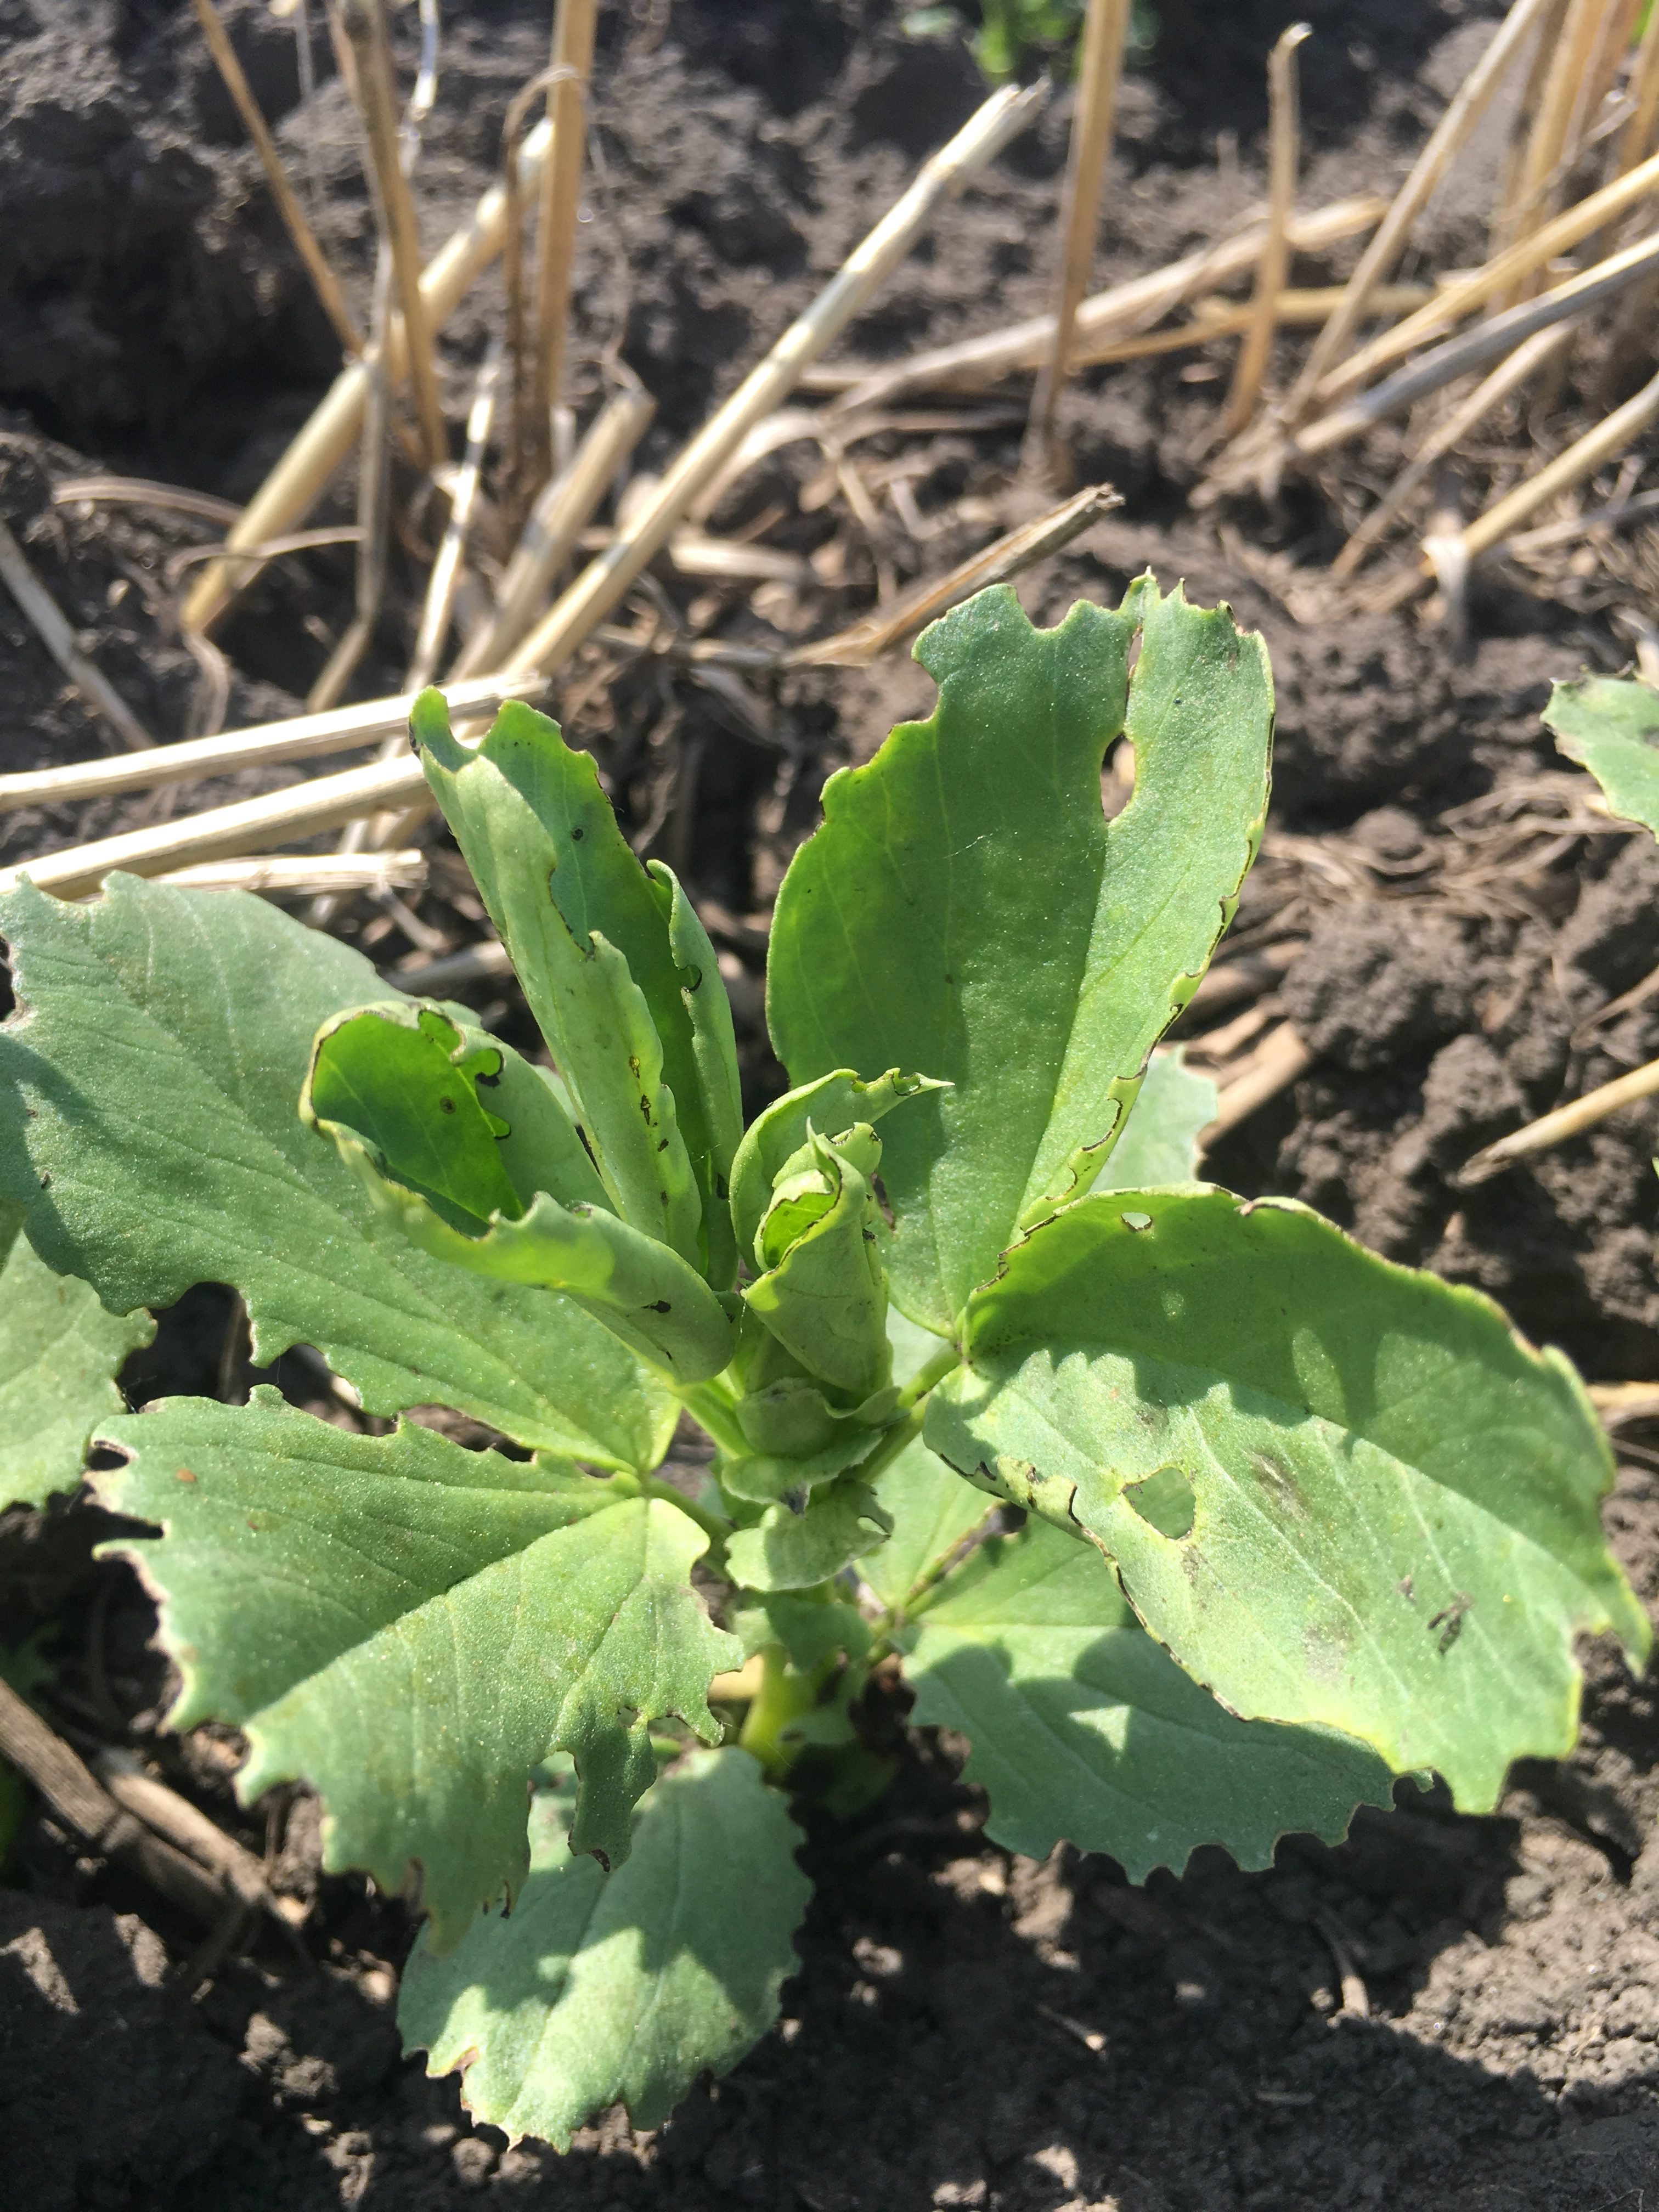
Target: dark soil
966, 2029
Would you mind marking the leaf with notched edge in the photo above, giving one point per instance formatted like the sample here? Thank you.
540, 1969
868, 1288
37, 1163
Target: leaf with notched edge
412, 1628
1159, 1145
59, 1355
149, 1088
621, 1988
966, 909
1390, 1523
934, 1513
1085, 1729
597, 945
396, 1089
793, 1545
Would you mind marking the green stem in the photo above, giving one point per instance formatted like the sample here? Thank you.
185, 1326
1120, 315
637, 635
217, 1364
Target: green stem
904, 1432
944, 1361
784, 1695
711, 1405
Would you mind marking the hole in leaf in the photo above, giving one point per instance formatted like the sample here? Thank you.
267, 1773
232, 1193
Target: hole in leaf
1136, 1220
1164, 1501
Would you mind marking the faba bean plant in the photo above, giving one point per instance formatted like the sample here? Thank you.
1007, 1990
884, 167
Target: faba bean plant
1199, 1522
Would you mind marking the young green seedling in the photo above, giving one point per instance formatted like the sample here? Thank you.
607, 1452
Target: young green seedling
989, 1383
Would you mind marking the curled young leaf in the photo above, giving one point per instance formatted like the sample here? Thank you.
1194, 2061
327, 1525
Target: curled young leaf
766, 1478
406, 1078
594, 940
482, 1185
803, 1540
967, 909
1341, 1491
832, 1103
809, 1627
622, 1989
412, 1628
823, 1296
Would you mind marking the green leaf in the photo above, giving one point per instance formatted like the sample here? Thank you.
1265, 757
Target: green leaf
412, 1628
589, 935
832, 1104
790, 1549
966, 908
1159, 1143
1611, 727
1392, 1524
933, 1511
824, 1294
766, 1478
396, 1090
149, 1123
621, 1988
719, 1115
59, 1355
811, 1628
1084, 1729
404, 1077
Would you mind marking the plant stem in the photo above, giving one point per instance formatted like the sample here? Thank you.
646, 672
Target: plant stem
784, 1695
712, 1407
903, 1432
944, 1361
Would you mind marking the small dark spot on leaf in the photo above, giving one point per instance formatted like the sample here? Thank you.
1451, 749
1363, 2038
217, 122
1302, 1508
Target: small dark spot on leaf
869, 1236
662, 1144
445, 1104
1452, 1615
490, 1081
659, 1305
634, 1064
46, 1179
185, 1475
576, 837
644, 1108
878, 1191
